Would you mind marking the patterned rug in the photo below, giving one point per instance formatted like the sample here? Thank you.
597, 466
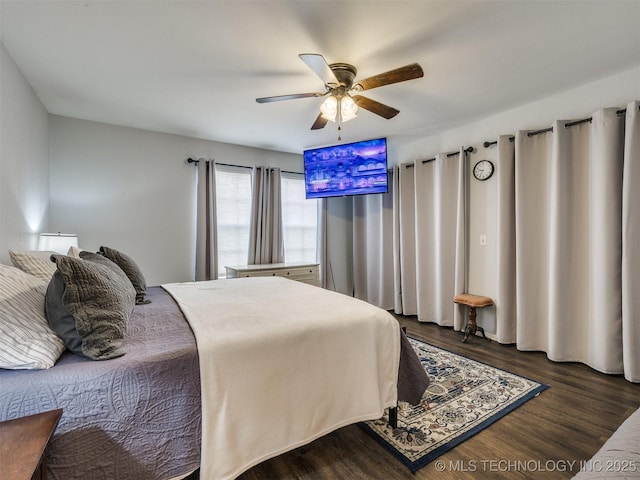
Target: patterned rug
464, 397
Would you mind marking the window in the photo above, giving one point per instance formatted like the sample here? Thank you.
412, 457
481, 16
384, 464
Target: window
300, 219
233, 197
233, 209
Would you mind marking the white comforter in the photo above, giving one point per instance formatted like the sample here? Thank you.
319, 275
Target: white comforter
283, 363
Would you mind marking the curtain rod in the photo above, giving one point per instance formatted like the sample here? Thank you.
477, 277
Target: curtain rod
495, 142
452, 154
191, 160
550, 129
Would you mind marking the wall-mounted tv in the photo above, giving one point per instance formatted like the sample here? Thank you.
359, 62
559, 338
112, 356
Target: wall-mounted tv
348, 169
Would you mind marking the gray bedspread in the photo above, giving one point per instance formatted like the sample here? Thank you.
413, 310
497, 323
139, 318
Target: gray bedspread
412, 377
137, 416
129, 418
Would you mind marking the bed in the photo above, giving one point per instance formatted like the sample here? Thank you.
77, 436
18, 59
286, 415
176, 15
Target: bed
619, 457
141, 415
131, 417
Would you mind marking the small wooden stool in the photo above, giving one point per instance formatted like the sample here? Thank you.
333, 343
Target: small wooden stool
473, 302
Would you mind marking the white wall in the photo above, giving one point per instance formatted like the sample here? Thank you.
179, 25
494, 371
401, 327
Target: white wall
580, 102
24, 165
132, 190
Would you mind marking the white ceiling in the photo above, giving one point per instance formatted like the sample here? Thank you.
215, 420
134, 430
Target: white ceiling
195, 68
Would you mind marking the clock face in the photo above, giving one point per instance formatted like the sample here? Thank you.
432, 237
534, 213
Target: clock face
483, 170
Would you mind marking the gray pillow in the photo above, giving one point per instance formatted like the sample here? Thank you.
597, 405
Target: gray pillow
102, 260
131, 269
88, 305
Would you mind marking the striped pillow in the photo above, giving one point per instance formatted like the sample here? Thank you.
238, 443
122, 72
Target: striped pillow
26, 340
37, 263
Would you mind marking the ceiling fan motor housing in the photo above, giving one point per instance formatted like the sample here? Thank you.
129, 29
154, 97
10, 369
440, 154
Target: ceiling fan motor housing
345, 73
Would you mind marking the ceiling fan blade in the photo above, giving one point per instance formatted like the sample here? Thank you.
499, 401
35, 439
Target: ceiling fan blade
408, 72
320, 122
320, 67
278, 98
375, 107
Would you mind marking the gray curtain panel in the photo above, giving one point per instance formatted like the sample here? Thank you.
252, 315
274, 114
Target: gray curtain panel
410, 245
576, 243
373, 270
440, 236
266, 234
405, 224
505, 300
397, 272
631, 245
461, 272
206, 222
322, 246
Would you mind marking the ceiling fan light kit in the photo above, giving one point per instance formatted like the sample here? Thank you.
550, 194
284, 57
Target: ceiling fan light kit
343, 108
338, 79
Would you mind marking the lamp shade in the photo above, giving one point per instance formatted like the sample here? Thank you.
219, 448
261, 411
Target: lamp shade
57, 242
348, 108
329, 108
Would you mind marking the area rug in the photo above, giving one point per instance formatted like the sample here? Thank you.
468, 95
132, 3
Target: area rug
464, 397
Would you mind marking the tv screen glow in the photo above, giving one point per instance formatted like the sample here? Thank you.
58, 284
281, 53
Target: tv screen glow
357, 168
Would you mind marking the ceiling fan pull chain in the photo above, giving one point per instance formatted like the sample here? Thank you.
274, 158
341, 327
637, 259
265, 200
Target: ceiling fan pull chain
339, 120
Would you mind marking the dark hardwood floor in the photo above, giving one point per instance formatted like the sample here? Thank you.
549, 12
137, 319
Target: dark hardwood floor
566, 423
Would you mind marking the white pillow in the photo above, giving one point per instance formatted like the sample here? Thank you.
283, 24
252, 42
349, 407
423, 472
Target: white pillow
75, 251
34, 262
26, 340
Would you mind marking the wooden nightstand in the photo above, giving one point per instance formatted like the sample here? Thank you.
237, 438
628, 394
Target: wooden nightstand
23, 442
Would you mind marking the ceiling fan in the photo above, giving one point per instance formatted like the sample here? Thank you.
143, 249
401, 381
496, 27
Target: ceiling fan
338, 78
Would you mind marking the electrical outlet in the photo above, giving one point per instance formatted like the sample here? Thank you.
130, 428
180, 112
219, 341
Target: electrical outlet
483, 240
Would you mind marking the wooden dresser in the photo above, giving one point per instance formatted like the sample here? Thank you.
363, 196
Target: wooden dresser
301, 272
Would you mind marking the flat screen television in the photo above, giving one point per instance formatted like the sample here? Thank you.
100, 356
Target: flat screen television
357, 168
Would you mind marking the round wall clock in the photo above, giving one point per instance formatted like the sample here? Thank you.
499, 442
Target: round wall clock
483, 170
